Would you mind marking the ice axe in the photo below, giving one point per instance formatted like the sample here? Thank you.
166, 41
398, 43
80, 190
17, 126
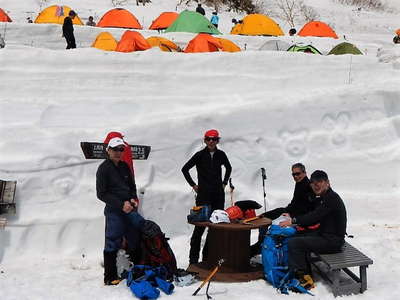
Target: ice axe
209, 277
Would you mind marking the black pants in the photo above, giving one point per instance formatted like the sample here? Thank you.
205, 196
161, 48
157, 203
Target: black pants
70, 42
195, 240
299, 248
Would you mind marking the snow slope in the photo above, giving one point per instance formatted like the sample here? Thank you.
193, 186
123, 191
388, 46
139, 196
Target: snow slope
337, 113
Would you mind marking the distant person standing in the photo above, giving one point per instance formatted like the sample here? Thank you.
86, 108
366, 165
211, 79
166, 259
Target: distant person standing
214, 19
200, 10
90, 22
68, 30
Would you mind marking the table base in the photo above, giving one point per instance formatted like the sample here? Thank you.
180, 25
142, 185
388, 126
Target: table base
226, 274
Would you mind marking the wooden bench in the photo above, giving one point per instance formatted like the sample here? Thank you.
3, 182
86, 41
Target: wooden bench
332, 267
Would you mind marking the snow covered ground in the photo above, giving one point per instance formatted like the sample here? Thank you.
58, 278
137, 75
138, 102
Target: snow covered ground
336, 113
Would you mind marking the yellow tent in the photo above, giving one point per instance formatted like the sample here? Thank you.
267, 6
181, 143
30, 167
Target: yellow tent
163, 43
228, 45
257, 24
105, 41
56, 14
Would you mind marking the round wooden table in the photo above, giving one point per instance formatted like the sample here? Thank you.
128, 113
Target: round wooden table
231, 242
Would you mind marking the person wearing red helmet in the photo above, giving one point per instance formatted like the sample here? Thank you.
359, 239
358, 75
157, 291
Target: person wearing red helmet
210, 185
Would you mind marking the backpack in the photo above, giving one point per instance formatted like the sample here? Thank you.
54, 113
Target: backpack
274, 254
156, 251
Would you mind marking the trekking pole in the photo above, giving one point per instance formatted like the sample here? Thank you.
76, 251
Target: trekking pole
5, 30
209, 277
264, 177
231, 191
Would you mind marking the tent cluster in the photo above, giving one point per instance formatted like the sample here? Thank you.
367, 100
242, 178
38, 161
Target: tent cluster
134, 41
186, 21
190, 21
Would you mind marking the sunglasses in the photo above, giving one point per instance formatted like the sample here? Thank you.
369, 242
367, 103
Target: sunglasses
296, 174
118, 149
215, 139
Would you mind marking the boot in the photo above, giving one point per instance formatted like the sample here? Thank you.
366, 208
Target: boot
110, 268
305, 280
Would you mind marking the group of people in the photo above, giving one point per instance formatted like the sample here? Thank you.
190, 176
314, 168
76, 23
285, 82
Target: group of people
68, 28
214, 18
318, 212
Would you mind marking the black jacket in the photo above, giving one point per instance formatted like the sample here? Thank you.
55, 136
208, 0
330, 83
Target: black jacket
68, 28
209, 173
302, 202
200, 10
330, 212
115, 184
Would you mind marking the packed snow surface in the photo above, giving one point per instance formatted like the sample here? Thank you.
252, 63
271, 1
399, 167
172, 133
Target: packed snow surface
272, 108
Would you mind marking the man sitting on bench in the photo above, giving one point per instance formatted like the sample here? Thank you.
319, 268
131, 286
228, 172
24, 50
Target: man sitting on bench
330, 212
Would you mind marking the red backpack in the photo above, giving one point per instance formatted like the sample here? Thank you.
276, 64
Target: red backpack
156, 250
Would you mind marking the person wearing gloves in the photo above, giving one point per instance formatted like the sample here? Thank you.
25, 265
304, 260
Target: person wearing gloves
330, 213
115, 186
210, 185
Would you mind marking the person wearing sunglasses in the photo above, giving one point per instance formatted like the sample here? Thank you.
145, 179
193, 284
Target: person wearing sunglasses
330, 212
210, 186
301, 203
115, 185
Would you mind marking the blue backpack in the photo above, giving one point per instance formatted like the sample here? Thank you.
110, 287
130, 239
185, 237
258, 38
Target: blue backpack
274, 254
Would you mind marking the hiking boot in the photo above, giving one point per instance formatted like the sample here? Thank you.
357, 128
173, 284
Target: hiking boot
307, 282
112, 282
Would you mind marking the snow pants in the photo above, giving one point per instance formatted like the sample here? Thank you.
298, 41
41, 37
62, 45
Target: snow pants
119, 225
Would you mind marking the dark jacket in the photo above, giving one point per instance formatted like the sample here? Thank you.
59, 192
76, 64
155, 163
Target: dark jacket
330, 212
209, 173
302, 202
201, 10
68, 28
115, 184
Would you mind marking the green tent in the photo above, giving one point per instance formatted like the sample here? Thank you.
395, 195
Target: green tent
345, 48
306, 49
190, 21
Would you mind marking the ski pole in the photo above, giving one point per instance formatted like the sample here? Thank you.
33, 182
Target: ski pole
231, 191
264, 177
209, 277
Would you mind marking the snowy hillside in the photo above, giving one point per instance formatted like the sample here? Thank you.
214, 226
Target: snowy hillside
336, 113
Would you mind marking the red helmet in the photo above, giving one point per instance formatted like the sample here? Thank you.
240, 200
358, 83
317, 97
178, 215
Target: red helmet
212, 133
234, 212
249, 213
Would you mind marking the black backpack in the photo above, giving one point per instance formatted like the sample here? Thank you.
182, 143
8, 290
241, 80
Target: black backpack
156, 250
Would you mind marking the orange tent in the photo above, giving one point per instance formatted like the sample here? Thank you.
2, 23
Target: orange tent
163, 43
317, 28
228, 46
164, 20
203, 42
132, 41
119, 17
55, 15
105, 41
4, 17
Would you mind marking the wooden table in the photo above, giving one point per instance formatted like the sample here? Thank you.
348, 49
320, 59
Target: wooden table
232, 243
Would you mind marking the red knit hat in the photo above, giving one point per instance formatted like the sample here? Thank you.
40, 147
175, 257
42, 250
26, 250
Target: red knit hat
212, 133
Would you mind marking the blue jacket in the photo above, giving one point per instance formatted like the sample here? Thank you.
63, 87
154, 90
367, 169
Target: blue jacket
214, 19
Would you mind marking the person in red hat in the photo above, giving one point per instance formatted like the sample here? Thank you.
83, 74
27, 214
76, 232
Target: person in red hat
210, 185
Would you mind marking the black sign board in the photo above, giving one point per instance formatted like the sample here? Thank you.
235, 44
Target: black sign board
93, 150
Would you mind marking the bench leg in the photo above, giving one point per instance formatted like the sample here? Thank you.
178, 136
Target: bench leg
335, 282
363, 278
